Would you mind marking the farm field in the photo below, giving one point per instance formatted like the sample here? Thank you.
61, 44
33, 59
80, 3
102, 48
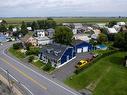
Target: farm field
106, 77
68, 19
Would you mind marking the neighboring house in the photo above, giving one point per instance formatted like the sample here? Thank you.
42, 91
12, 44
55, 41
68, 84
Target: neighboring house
40, 33
66, 24
94, 36
81, 37
75, 31
28, 38
57, 54
97, 31
123, 29
29, 28
43, 41
14, 29
50, 32
1, 21
41, 38
81, 46
77, 25
117, 27
3, 38
101, 25
121, 23
112, 30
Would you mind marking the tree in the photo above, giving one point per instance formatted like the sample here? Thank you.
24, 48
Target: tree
17, 46
31, 58
49, 18
112, 23
121, 40
48, 66
3, 28
51, 24
63, 35
24, 30
3, 22
10, 27
102, 38
34, 25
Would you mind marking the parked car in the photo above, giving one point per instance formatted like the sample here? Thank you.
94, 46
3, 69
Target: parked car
81, 63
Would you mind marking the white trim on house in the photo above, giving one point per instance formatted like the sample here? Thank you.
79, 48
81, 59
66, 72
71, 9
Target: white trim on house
65, 62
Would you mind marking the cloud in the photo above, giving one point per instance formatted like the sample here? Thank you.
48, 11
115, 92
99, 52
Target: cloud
62, 7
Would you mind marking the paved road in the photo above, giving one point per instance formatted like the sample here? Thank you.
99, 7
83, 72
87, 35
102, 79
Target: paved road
38, 84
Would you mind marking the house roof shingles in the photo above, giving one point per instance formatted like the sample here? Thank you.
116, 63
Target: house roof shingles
54, 47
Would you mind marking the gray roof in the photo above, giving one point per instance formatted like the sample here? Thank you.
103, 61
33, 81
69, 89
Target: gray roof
76, 42
54, 51
50, 30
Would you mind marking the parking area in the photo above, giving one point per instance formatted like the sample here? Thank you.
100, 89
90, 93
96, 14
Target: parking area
68, 69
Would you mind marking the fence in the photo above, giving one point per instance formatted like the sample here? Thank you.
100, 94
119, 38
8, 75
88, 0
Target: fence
13, 83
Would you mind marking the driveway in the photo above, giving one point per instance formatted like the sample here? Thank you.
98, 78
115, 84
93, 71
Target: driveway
68, 69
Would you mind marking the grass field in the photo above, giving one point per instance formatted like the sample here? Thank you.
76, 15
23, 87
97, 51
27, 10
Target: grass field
106, 77
16, 53
72, 20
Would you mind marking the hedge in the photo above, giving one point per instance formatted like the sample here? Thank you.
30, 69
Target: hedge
79, 70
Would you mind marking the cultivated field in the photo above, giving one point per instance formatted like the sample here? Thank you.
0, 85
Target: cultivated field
69, 19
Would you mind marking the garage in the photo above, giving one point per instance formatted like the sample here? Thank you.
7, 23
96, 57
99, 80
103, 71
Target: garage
82, 46
85, 49
79, 50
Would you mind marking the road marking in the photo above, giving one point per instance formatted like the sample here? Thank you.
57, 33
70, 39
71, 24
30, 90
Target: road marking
17, 81
24, 74
40, 74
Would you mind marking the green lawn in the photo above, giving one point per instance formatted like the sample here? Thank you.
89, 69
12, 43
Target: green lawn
38, 64
17, 53
106, 77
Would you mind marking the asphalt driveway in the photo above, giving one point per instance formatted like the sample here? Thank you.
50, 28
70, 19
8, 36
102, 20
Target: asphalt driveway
68, 69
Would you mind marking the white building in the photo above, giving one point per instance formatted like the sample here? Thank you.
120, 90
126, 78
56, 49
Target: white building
14, 29
1, 21
29, 28
121, 23
117, 27
78, 25
43, 41
41, 38
40, 33
82, 37
112, 31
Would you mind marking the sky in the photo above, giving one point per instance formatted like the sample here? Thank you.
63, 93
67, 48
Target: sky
47, 8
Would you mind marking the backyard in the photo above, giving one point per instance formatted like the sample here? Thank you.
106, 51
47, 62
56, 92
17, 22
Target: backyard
109, 79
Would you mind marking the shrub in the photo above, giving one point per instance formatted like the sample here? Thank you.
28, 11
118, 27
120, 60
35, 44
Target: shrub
17, 46
33, 51
31, 58
47, 67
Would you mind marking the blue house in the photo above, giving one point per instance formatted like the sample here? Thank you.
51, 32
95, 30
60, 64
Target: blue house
82, 46
3, 38
57, 54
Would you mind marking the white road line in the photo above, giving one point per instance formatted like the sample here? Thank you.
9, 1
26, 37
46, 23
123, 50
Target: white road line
27, 89
17, 81
40, 75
